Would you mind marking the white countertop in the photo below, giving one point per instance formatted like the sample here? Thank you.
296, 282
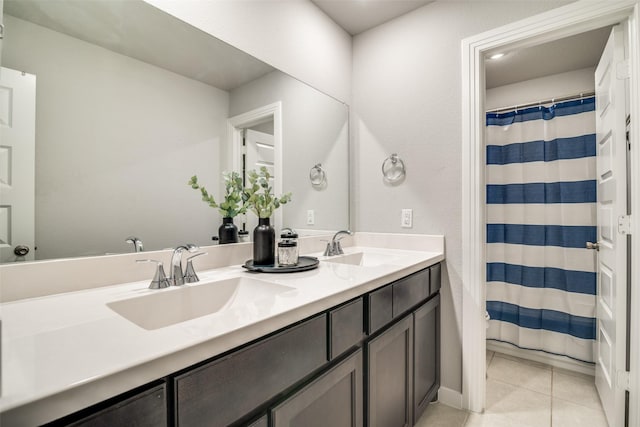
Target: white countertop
64, 352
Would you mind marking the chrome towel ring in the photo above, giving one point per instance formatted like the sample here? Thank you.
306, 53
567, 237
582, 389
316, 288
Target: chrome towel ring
393, 168
317, 175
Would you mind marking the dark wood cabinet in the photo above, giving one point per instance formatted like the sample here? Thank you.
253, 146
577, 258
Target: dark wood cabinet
263, 421
426, 355
380, 308
435, 278
403, 362
148, 408
394, 300
410, 291
372, 361
223, 391
332, 399
390, 376
346, 327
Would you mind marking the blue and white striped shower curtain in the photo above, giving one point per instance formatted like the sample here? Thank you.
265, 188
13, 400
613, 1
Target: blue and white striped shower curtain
541, 209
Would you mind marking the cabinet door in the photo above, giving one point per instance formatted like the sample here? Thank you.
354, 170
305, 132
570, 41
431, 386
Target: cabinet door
333, 399
221, 392
148, 408
426, 360
389, 371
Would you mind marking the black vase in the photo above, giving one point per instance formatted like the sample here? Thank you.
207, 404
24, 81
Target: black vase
264, 243
227, 232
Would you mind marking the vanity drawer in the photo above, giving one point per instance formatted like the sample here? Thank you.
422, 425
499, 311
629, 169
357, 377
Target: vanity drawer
346, 327
410, 291
435, 279
148, 408
220, 392
380, 308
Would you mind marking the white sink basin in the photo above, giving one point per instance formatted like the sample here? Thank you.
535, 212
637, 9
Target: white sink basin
364, 259
173, 305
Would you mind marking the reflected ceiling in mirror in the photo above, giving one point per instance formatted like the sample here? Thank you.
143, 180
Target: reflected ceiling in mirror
138, 30
130, 103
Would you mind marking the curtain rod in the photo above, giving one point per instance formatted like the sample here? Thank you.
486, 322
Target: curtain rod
539, 103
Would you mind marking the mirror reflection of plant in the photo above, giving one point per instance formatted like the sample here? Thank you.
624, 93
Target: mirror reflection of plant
259, 197
233, 204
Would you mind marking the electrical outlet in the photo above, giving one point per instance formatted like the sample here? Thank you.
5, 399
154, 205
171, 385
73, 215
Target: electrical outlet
311, 217
406, 220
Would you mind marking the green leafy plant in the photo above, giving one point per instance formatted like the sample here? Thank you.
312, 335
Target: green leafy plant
233, 204
259, 197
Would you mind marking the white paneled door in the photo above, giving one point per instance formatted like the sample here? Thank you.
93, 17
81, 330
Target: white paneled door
612, 211
17, 165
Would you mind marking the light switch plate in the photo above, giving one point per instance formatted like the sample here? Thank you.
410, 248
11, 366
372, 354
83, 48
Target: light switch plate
406, 220
311, 217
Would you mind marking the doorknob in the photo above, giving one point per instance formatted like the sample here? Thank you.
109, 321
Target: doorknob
21, 250
595, 246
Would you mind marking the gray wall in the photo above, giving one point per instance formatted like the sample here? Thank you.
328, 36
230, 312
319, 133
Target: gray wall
315, 130
407, 99
116, 142
554, 86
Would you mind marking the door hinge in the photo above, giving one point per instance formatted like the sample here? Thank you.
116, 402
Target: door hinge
624, 380
624, 224
623, 70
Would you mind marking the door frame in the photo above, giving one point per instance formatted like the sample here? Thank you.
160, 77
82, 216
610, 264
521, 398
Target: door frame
235, 127
574, 18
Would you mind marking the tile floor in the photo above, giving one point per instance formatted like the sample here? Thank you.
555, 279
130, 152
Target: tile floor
522, 393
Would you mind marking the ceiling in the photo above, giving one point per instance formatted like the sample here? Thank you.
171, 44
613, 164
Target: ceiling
356, 16
568, 54
141, 31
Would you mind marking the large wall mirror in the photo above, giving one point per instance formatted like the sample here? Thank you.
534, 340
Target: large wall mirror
129, 103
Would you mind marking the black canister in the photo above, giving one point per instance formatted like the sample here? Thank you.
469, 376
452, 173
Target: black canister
288, 248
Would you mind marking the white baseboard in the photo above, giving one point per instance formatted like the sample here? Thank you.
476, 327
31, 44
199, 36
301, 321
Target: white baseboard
449, 397
542, 357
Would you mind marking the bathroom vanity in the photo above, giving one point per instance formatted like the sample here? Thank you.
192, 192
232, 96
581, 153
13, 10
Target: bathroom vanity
354, 342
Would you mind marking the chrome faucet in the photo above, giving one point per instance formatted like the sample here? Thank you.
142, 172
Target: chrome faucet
177, 275
190, 275
160, 280
136, 242
334, 247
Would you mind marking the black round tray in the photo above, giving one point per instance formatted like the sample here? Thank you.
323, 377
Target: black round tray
304, 263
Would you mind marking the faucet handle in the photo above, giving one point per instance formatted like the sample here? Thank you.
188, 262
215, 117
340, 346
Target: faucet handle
138, 246
190, 247
159, 280
198, 254
190, 275
329, 249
